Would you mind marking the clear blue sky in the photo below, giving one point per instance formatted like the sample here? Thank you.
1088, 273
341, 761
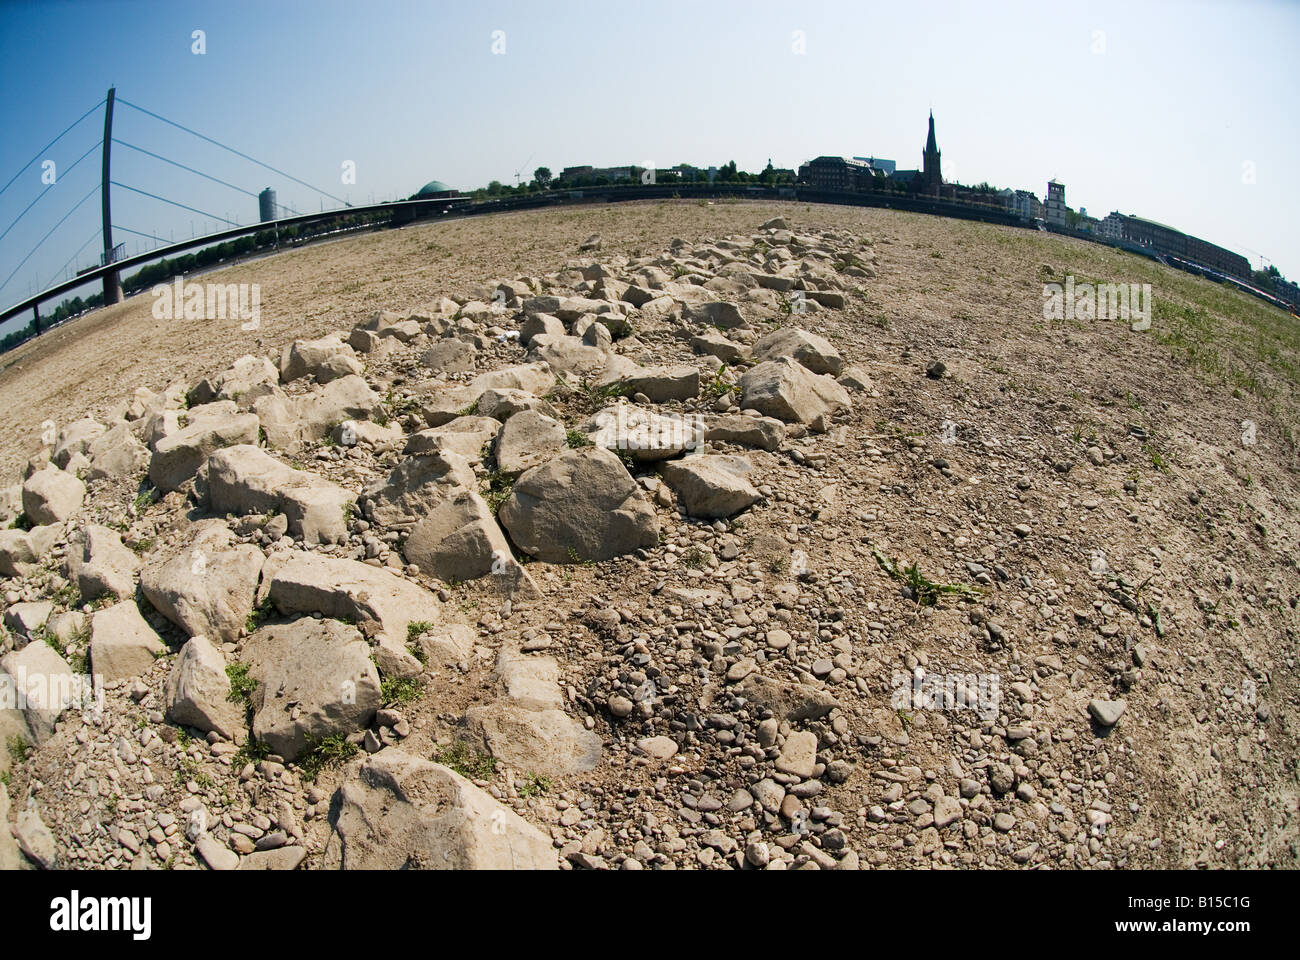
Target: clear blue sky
1146, 107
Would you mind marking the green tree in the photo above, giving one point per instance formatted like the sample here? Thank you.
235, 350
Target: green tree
543, 177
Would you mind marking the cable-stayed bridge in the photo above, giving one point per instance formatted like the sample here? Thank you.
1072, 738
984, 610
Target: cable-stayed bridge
104, 240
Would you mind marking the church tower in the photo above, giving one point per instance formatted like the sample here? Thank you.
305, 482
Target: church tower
931, 178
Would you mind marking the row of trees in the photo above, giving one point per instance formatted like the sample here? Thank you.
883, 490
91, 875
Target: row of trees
1272, 281
543, 180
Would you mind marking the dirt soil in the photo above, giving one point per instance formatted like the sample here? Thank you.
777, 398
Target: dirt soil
1128, 537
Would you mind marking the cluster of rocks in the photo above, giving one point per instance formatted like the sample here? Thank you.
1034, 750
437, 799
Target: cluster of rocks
575, 571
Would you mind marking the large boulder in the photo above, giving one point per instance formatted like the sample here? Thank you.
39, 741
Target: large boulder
502, 403
789, 391
338, 366
314, 679
346, 398
571, 308
782, 282
574, 358
547, 743
526, 440
381, 604
157, 424
582, 505
637, 295
46, 684
393, 325
178, 456
21, 550
643, 434
10, 858
714, 344
761, 433
465, 436
52, 496
73, 439
417, 485
244, 479
535, 305
659, 384
712, 485
449, 356
439, 403
245, 375
303, 358
814, 352
535, 378
116, 454
207, 586
459, 540
527, 727
536, 324
26, 619
100, 564
726, 316
290, 422
197, 693
35, 839
122, 644
367, 433
403, 812
445, 645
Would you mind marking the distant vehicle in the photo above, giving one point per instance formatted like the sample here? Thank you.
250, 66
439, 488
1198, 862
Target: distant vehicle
1038, 222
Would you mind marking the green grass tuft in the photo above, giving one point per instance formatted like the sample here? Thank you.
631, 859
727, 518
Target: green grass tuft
399, 690
924, 591
323, 754
467, 762
497, 491
241, 684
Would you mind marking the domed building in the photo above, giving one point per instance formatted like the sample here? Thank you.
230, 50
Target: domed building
435, 190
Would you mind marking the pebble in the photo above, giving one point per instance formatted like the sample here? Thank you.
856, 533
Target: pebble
1107, 712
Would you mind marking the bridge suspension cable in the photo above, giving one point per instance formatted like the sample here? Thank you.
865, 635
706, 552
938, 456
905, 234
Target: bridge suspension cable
93, 147
93, 190
237, 153
50, 144
175, 163
149, 236
173, 202
93, 236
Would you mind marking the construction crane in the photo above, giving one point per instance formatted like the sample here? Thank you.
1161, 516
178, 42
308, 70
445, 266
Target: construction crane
522, 168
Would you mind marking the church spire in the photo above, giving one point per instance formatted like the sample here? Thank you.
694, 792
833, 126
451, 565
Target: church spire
931, 177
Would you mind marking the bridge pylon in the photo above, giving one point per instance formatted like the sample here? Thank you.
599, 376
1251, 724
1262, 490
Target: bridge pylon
112, 281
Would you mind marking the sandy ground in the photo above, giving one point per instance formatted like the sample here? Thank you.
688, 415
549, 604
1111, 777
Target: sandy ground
1212, 519
948, 282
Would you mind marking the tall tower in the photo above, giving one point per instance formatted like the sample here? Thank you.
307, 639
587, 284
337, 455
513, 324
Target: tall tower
931, 177
266, 205
1054, 212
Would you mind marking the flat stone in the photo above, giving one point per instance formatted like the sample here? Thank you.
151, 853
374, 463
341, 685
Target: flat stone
1107, 712
799, 754
661, 748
